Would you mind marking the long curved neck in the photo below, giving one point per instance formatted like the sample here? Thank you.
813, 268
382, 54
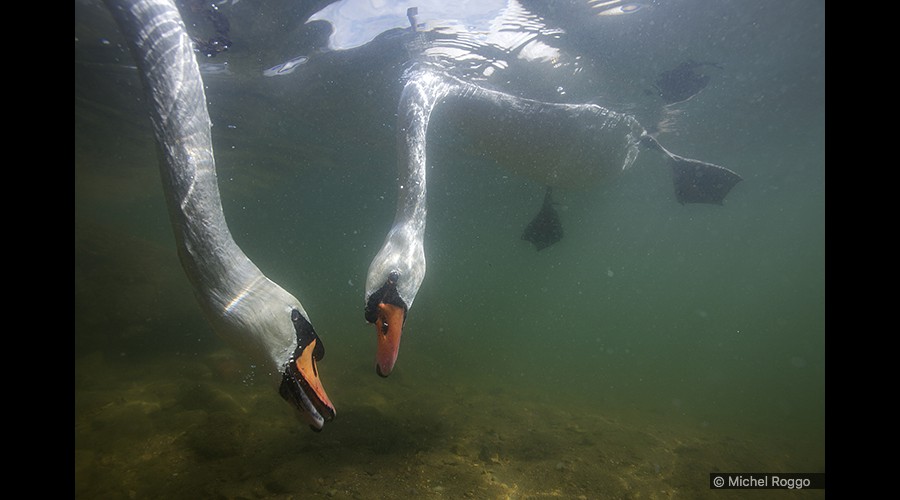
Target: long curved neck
240, 302
416, 104
403, 249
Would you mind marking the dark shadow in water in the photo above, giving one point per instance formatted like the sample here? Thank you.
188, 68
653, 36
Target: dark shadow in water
367, 433
546, 228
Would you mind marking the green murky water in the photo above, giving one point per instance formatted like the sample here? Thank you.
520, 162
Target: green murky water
654, 344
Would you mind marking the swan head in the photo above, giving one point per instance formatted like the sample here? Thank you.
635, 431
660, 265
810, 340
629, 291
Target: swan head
300, 383
394, 278
387, 311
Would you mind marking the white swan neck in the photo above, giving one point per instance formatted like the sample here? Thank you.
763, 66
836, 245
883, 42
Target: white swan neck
244, 306
403, 250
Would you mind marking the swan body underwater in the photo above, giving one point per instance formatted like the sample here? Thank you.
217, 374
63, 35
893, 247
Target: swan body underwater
555, 144
245, 307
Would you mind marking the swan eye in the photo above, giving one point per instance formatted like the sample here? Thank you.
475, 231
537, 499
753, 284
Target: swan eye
384, 328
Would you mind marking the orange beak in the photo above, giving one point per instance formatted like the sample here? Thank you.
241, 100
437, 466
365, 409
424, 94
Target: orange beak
300, 383
389, 327
306, 365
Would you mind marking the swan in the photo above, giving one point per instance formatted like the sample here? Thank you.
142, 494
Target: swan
555, 144
398, 269
245, 307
